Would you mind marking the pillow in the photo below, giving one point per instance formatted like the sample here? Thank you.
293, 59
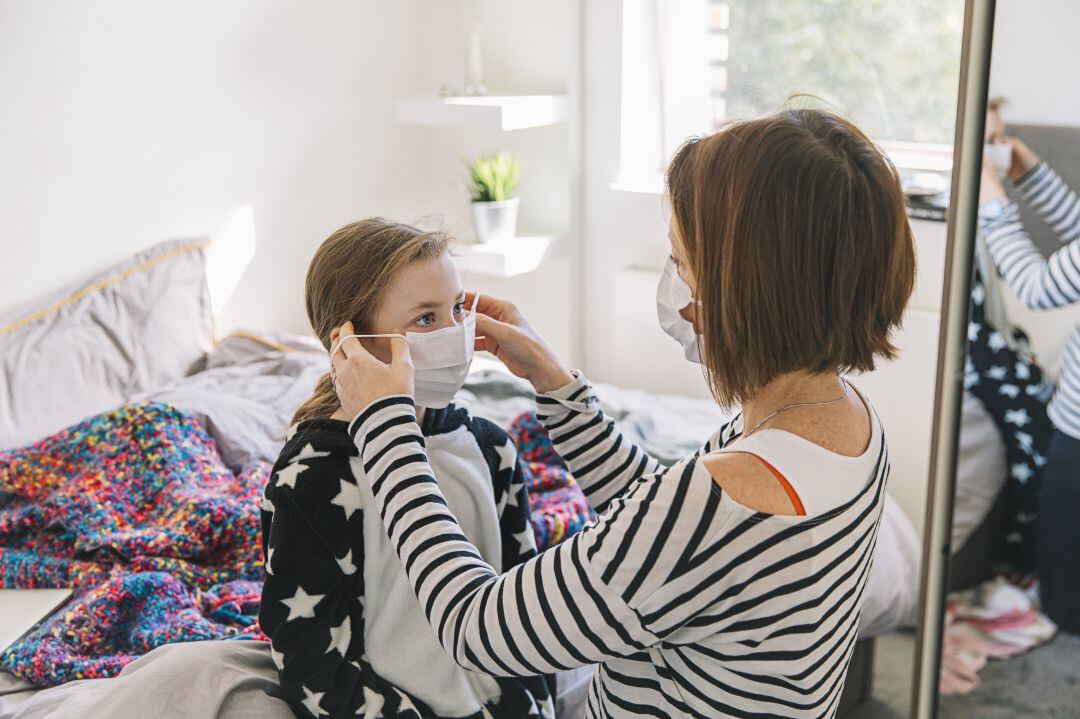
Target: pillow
89, 347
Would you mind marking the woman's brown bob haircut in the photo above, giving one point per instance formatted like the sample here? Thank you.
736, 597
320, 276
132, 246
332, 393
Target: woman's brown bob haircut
800, 249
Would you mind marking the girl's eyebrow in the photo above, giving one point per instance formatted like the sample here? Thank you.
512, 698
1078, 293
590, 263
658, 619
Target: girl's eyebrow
432, 304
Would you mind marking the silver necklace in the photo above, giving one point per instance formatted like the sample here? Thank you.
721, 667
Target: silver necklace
796, 405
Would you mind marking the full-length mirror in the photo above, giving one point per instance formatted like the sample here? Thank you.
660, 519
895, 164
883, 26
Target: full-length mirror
1010, 642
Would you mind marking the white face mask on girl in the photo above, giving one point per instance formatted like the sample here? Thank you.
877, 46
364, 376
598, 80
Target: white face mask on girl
441, 359
1000, 156
672, 295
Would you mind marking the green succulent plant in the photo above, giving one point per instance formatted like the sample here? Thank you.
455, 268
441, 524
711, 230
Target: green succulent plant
493, 178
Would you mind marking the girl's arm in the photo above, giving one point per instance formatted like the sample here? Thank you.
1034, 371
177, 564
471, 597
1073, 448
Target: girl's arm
599, 456
584, 601
311, 610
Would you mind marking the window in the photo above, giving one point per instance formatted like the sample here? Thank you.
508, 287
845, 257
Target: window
892, 67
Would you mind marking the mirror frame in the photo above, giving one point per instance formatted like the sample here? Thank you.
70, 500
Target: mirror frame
952, 349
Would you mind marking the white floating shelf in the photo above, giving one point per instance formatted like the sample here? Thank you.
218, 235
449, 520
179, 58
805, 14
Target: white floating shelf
504, 259
488, 112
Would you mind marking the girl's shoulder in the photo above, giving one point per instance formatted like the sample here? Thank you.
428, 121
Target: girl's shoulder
312, 448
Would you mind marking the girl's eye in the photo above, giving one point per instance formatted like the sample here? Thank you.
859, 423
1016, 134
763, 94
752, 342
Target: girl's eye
459, 308
425, 320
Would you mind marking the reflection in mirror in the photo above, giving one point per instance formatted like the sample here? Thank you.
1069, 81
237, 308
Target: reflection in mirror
1010, 643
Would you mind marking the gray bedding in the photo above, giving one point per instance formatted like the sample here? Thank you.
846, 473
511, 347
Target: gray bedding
244, 393
199, 680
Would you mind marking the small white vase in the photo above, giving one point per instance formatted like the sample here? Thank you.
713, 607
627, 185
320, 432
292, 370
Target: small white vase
495, 221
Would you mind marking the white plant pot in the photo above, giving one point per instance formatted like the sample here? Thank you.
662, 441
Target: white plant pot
495, 221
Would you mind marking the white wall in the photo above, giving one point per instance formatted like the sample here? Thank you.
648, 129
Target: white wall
1033, 61
124, 123
528, 48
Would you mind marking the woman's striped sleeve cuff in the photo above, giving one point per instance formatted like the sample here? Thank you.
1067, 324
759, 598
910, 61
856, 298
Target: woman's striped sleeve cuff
576, 395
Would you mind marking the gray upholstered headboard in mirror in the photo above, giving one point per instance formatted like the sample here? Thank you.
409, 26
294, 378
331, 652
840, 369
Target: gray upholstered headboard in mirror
1060, 147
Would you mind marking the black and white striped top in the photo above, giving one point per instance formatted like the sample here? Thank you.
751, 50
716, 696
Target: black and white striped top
691, 604
1043, 283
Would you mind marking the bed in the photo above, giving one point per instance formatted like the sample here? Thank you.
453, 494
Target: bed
144, 333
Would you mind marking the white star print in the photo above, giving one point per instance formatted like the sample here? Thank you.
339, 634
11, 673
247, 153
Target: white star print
1009, 390
996, 341
1024, 439
973, 331
545, 707
507, 455
287, 475
512, 494
1039, 459
405, 704
348, 498
346, 563
308, 452
996, 372
1023, 370
266, 505
311, 702
373, 704
1019, 417
277, 657
978, 294
301, 604
269, 558
1014, 537
1021, 472
525, 539
340, 636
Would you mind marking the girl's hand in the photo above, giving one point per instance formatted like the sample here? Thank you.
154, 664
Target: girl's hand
361, 378
1023, 159
504, 332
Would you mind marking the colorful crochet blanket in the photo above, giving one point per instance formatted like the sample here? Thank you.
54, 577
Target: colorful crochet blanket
135, 510
559, 508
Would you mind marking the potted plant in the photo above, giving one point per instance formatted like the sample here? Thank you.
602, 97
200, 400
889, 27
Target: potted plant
493, 180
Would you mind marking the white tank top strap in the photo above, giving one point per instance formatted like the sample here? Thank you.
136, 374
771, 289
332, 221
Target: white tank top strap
821, 479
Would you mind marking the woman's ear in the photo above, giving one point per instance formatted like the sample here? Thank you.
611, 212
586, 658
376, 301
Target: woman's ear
334, 334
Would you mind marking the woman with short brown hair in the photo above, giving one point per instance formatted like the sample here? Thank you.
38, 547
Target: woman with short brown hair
728, 584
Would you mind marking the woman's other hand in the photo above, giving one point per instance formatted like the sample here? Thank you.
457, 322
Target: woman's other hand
1023, 158
503, 331
360, 378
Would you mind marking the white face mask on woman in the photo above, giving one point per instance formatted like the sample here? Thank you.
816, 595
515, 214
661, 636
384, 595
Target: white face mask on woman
672, 295
1000, 156
441, 359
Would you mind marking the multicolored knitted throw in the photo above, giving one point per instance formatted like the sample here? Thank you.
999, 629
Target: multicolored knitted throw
135, 510
559, 508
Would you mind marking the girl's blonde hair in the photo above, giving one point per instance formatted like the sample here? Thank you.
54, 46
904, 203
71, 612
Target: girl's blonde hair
346, 280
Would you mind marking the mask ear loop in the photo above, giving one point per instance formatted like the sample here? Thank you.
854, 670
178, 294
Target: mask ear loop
472, 310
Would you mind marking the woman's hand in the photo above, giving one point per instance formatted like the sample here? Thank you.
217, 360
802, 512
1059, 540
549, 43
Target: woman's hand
1023, 158
990, 187
360, 378
503, 331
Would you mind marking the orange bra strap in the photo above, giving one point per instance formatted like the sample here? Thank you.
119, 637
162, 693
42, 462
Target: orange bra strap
791, 493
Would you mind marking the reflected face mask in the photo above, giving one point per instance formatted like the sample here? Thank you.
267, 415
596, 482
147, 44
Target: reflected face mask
441, 359
1000, 156
672, 295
